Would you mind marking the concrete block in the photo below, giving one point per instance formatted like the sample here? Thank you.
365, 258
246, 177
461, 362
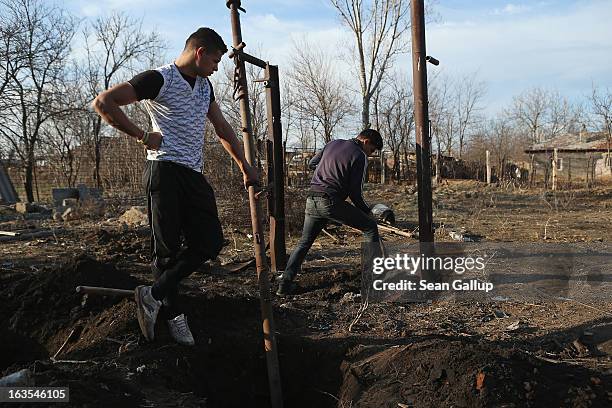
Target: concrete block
69, 202
59, 194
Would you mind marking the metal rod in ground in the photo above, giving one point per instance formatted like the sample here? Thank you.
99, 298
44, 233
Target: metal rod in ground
421, 116
277, 213
96, 290
276, 396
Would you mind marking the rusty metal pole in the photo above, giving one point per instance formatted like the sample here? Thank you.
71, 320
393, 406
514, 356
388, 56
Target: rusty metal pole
275, 137
421, 118
276, 396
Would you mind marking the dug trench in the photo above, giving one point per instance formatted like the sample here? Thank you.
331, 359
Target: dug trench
107, 363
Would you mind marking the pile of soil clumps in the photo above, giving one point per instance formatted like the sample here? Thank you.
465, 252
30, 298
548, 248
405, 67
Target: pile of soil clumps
457, 373
36, 307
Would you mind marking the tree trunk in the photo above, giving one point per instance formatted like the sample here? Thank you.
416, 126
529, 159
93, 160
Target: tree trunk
29, 178
365, 112
97, 156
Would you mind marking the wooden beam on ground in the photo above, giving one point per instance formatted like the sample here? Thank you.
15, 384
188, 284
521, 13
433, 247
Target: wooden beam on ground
101, 291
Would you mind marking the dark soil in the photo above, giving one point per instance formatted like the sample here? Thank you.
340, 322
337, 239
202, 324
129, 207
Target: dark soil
440, 354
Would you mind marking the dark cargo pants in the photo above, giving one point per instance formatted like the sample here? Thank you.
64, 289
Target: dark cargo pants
185, 227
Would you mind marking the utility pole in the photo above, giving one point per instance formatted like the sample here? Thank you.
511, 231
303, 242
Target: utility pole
241, 93
421, 116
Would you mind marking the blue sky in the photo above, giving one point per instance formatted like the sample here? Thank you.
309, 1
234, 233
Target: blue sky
562, 44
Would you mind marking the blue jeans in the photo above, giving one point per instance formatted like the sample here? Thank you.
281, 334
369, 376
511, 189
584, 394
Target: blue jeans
319, 211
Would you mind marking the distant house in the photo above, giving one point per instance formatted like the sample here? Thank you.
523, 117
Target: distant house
580, 156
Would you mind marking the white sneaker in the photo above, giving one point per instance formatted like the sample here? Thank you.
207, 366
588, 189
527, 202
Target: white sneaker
179, 330
146, 310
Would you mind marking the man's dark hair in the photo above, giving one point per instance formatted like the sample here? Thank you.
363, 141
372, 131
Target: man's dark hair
373, 136
207, 38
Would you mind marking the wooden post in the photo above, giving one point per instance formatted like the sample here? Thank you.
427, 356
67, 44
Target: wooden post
383, 174
437, 178
554, 170
488, 159
531, 170
586, 172
276, 168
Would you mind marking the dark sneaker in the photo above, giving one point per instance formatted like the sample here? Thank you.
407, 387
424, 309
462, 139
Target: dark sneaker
147, 309
286, 287
179, 330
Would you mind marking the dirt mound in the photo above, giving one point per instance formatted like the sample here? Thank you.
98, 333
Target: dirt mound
18, 349
37, 305
437, 373
113, 243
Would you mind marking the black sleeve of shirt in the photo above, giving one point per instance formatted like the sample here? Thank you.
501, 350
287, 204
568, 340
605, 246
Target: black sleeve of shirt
147, 84
212, 92
314, 162
357, 177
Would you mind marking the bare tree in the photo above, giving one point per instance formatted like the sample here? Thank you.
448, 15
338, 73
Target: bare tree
394, 113
529, 110
441, 118
44, 34
12, 57
379, 28
468, 94
64, 133
503, 139
601, 108
323, 96
288, 101
563, 116
118, 42
544, 114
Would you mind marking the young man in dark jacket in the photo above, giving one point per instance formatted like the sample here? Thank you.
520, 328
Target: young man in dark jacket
340, 171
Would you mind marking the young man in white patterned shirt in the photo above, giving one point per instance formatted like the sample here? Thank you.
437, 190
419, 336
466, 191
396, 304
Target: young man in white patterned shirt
181, 204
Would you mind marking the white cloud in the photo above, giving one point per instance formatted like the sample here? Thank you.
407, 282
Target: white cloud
566, 50
512, 9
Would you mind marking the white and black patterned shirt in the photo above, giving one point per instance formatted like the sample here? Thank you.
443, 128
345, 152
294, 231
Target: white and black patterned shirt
177, 105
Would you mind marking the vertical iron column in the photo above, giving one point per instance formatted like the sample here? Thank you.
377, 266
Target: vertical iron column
421, 116
277, 213
274, 381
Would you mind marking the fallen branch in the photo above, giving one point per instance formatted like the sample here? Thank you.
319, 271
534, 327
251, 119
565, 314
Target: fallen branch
68, 339
336, 240
395, 231
31, 235
73, 361
388, 228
